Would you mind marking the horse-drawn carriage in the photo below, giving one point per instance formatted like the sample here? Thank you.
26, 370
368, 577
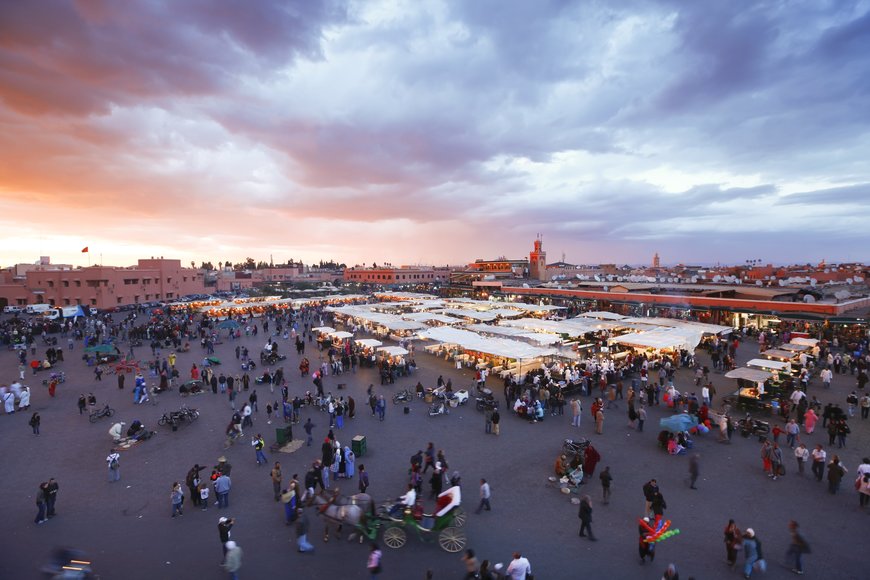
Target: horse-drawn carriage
445, 523
357, 510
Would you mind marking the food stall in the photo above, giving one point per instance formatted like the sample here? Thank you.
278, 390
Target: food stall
781, 371
755, 389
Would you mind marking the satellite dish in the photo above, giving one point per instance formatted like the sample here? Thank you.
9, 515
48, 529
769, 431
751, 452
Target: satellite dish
813, 282
809, 298
717, 277
758, 283
849, 280
694, 279
782, 282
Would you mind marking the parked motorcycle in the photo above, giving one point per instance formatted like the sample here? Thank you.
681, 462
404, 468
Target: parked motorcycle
486, 402
98, 414
439, 408
173, 418
403, 396
756, 427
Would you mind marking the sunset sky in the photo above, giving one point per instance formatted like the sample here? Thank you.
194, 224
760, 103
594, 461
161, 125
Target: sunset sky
435, 132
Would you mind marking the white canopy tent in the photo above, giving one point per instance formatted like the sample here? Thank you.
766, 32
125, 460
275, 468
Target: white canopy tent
538, 337
794, 347
601, 315
393, 350
810, 342
430, 317
774, 365
503, 347
675, 323
757, 375
472, 314
368, 342
323, 329
341, 334
661, 338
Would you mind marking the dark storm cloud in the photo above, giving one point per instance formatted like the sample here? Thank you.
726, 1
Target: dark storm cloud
78, 58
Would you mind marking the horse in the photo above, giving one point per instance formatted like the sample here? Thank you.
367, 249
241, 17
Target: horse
342, 510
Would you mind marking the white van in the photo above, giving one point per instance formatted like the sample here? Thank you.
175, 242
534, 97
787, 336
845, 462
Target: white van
37, 308
51, 314
13, 309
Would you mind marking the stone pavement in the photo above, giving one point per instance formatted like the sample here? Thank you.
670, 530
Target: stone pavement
127, 531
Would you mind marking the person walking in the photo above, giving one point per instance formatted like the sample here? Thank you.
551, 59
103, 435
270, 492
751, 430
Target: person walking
363, 479
233, 560
35, 420
51, 497
606, 479
487, 420
819, 458
485, 495
381, 407
177, 499
276, 476
496, 420
835, 475
732, 542
258, 444
302, 526
308, 427
641, 417
373, 564
797, 547
520, 568
694, 470
114, 463
585, 516
576, 412
225, 525
222, 487
83, 402
41, 495
801, 454
599, 421
792, 431
470, 562
753, 554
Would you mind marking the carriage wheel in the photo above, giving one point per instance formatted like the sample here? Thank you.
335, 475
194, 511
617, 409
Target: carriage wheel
395, 537
452, 539
459, 517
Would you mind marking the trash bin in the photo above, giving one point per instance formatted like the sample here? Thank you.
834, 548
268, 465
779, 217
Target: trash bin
284, 435
358, 445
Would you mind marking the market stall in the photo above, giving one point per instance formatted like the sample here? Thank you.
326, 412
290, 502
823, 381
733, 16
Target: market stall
756, 389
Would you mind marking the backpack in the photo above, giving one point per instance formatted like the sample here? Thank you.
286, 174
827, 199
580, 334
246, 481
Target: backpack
114, 463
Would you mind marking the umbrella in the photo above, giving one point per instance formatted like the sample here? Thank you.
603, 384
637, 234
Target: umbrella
677, 423
229, 324
101, 349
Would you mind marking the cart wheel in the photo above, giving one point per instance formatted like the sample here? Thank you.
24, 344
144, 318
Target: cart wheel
110, 412
459, 517
452, 539
162, 420
93, 417
395, 537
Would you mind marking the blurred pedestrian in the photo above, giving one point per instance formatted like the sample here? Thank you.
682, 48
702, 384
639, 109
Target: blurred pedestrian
176, 497
798, 546
302, 526
585, 516
233, 560
35, 420
51, 497
605, 478
113, 461
694, 470
373, 564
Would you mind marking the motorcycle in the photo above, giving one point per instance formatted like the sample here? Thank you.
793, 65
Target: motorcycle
68, 563
173, 418
403, 396
98, 414
439, 408
486, 402
756, 427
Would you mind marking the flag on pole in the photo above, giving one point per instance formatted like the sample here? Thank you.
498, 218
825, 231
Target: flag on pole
84, 250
